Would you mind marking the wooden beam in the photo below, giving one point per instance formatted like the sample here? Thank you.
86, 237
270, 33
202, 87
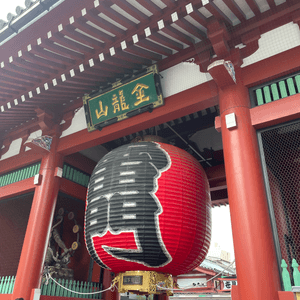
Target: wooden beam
271, 4
17, 188
205, 271
40, 51
189, 27
217, 13
19, 161
131, 10
15, 81
141, 52
114, 15
254, 7
178, 35
73, 189
81, 162
165, 41
26, 72
40, 61
148, 44
13, 75
276, 112
18, 61
82, 24
152, 7
197, 98
63, 40
197, 16
92, 16
235, 9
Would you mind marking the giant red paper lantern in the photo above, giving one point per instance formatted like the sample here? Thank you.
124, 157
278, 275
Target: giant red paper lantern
148, 208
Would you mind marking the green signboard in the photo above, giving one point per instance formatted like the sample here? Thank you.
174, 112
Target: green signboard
124, 100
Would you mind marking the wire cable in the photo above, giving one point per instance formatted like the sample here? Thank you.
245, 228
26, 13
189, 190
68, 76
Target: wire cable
81, 293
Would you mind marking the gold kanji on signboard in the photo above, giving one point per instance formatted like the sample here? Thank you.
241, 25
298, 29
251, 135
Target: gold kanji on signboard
102, 112
116, 104
140, 93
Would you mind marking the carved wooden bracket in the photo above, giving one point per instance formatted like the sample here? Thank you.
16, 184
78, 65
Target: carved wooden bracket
49, 123
218, 36
45, 119
24, 136
250, 39
296, 17
203, 59
68, 117
222, 72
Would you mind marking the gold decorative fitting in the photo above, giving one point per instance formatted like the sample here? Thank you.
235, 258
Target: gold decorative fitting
144, 282
75, 228
75, 246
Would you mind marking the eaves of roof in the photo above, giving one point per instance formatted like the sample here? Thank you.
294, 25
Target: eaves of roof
34, 10
206, 264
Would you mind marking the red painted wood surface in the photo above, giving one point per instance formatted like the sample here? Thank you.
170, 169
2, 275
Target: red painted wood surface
38, 228
19, 161
5, 296
109, 295
235, 293
276, 112
81, 162
73, 189
17, 188
273, 113
251, 227
285, 295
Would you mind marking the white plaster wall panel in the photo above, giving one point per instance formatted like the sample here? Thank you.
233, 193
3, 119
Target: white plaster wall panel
34, 135
78, 123
182, 77
14, 149
275, 41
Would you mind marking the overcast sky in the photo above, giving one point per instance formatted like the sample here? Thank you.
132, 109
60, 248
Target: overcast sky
221, 229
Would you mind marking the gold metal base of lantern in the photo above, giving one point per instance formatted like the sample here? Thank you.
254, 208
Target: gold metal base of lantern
144, 282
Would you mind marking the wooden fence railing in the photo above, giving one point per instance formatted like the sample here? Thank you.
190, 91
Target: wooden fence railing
7, 284
53, 289
286, 275
20, 174
275, 90
75, 175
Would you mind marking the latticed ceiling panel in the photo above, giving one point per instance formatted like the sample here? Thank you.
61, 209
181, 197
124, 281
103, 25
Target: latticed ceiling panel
107, 40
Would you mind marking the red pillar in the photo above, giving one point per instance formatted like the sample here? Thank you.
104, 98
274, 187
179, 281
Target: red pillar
257, 271
38, 227
110, 294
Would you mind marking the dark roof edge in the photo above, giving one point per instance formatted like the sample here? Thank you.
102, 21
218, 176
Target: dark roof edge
26, 18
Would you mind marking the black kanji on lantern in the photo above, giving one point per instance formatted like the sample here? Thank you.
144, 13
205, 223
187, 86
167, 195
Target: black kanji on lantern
121, 198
